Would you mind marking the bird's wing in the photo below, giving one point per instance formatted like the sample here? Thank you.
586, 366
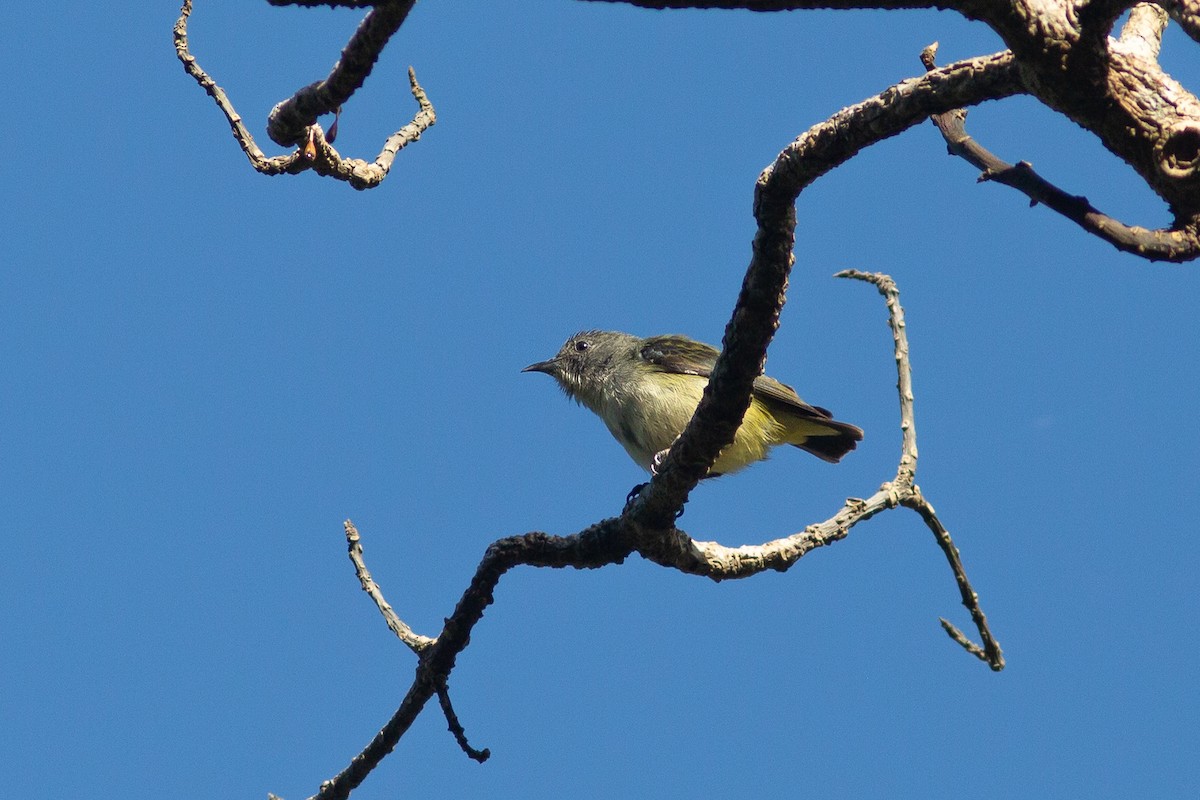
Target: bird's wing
685, 356
767, 388
680, 355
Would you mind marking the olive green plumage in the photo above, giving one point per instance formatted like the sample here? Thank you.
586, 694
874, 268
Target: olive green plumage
646, 391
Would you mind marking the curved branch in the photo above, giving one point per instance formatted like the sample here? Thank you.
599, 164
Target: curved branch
613, 540
289, 121
646, 525
756, 315
1112, 88
1177, 244
1186, 13
602, 544
317, 153
268, 166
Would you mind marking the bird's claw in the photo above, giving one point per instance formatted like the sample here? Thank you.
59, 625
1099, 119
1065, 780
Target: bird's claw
634, 492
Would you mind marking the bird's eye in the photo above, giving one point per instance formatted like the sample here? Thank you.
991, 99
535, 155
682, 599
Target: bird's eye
582, 345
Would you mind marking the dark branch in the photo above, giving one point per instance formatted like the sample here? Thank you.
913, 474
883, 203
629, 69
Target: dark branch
756, 316
317, 153
456, 728
1164, 244
602, 544
289, 120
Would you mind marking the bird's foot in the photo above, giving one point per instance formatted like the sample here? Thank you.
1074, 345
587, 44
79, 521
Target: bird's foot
659, 457
637, 490
633, 493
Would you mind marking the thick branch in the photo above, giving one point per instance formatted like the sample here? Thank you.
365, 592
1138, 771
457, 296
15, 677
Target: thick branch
289, 120
1114, 88
1142, 32
1186, 13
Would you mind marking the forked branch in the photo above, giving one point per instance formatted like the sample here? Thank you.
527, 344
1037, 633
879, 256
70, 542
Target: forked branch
1176, 244
611, 541
294, 120
646, 526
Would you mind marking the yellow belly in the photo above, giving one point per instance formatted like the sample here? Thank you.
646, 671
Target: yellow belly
649, 421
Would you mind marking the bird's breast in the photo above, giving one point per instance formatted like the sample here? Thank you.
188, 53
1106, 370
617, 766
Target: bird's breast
648, 417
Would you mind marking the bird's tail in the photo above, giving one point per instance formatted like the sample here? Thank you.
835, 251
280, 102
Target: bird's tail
829, 440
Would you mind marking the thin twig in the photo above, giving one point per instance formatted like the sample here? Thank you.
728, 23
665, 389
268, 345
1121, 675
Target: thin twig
908, 494
414, 641
990, 652
268, 166
456, 728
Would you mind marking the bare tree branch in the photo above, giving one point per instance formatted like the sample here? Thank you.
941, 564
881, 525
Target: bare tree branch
456, 728
1113, 88
316, 153
1142, 33
600, 545
1060, 52
1167, 244
1186, 13
756, 315
1117, 91
647, 524
611, 541
289, 120
413, 641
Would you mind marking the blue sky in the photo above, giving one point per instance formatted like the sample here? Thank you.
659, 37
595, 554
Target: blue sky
207, 370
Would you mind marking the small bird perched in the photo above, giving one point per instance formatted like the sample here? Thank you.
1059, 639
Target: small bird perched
646, 391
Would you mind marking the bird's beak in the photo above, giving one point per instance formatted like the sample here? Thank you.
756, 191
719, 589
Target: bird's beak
549, 367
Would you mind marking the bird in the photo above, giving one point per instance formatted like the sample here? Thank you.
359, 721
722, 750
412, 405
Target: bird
646, 390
